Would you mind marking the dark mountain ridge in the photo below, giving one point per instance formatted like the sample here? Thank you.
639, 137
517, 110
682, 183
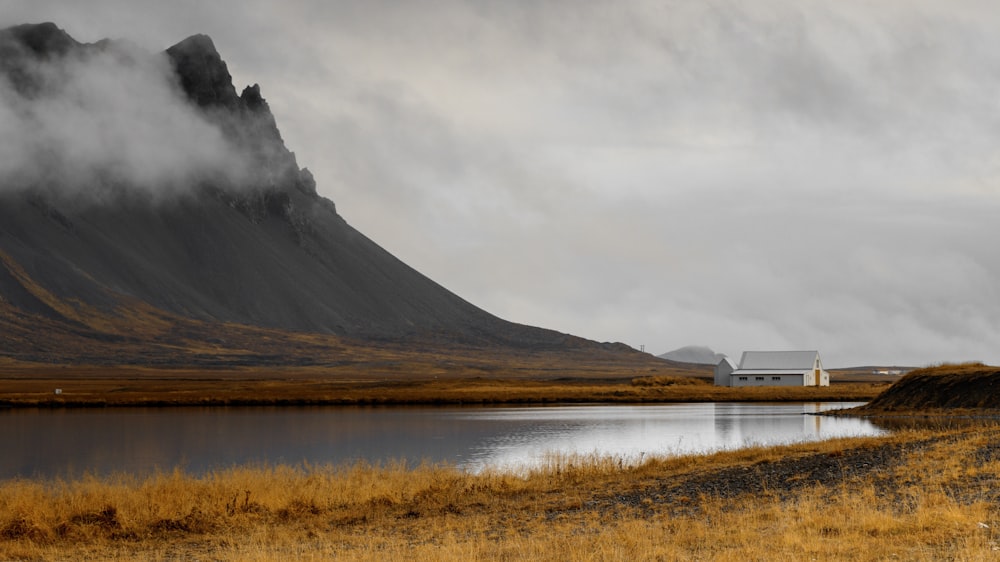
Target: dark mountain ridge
104, 261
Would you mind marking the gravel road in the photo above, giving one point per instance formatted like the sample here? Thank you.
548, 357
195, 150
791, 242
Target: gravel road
680, 494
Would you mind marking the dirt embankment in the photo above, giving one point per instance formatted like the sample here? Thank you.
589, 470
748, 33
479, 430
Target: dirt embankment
952, 388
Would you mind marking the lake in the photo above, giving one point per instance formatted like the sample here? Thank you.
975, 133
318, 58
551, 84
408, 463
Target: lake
66, 442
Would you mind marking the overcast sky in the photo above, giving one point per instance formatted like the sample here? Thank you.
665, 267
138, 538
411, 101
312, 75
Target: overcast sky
742, 175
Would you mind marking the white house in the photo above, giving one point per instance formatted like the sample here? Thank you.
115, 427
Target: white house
723, 370
773, 368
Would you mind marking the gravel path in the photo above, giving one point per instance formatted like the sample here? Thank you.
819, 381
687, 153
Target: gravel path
680, 494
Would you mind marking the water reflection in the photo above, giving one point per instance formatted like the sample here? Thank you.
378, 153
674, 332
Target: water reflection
140, 440
630, 432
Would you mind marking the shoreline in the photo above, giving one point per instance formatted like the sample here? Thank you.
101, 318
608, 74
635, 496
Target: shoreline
169, 393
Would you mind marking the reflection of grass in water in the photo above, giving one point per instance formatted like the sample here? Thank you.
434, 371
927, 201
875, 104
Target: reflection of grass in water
914, 495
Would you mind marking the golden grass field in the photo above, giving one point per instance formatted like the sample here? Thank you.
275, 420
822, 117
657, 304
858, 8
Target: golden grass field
309, 387
915, 494
912, 495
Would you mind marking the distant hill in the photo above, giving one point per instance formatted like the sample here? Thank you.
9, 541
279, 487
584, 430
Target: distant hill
693, 354
150, 210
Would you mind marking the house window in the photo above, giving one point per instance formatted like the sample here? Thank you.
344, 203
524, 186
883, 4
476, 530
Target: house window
775, 378
743, 378
760, 378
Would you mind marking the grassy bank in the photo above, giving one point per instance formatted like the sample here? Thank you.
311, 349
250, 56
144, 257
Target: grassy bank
968, 389
303, 390
914, 495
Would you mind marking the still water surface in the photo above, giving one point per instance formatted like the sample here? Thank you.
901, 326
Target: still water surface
139, 440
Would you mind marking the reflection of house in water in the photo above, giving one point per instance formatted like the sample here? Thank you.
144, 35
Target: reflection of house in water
773, 368
747, 424
727, 429
816, 420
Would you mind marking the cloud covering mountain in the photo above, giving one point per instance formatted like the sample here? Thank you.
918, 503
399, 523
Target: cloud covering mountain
95, 117
117, 227
765, 175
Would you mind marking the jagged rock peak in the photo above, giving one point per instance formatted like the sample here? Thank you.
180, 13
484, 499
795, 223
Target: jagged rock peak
202, 76
252, 98
43, 39
203, 73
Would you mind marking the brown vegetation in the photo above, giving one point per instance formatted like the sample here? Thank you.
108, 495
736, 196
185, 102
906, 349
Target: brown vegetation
969, 388
914, 495
308, 387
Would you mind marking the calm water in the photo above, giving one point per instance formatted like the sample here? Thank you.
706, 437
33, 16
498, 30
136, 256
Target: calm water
67, 442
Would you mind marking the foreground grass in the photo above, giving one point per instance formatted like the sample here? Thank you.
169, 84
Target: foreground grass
914, 495
305, 390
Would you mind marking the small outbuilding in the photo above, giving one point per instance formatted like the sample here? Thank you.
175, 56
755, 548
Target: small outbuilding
723, 370
773, 368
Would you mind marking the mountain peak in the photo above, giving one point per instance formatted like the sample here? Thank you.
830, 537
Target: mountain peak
697, 354
246, 119
23, 46
202, 72
43, 39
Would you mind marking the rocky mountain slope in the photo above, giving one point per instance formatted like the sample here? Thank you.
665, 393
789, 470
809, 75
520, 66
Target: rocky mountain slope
176, 216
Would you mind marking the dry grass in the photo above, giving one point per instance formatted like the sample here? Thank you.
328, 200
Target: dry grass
967, 388
935, 498
304, 387
954, 368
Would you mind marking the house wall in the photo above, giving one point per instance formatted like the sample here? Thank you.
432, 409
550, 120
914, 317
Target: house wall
788, 368
722, 371
767, 380
824, 375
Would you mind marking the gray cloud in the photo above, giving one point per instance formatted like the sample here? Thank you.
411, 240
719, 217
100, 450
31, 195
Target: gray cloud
106, 117
773, 174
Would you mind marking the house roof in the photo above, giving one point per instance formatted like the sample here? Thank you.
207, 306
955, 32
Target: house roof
778, 360
729, 361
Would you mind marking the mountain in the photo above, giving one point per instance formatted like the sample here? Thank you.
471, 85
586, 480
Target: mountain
693, 354
150, 214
